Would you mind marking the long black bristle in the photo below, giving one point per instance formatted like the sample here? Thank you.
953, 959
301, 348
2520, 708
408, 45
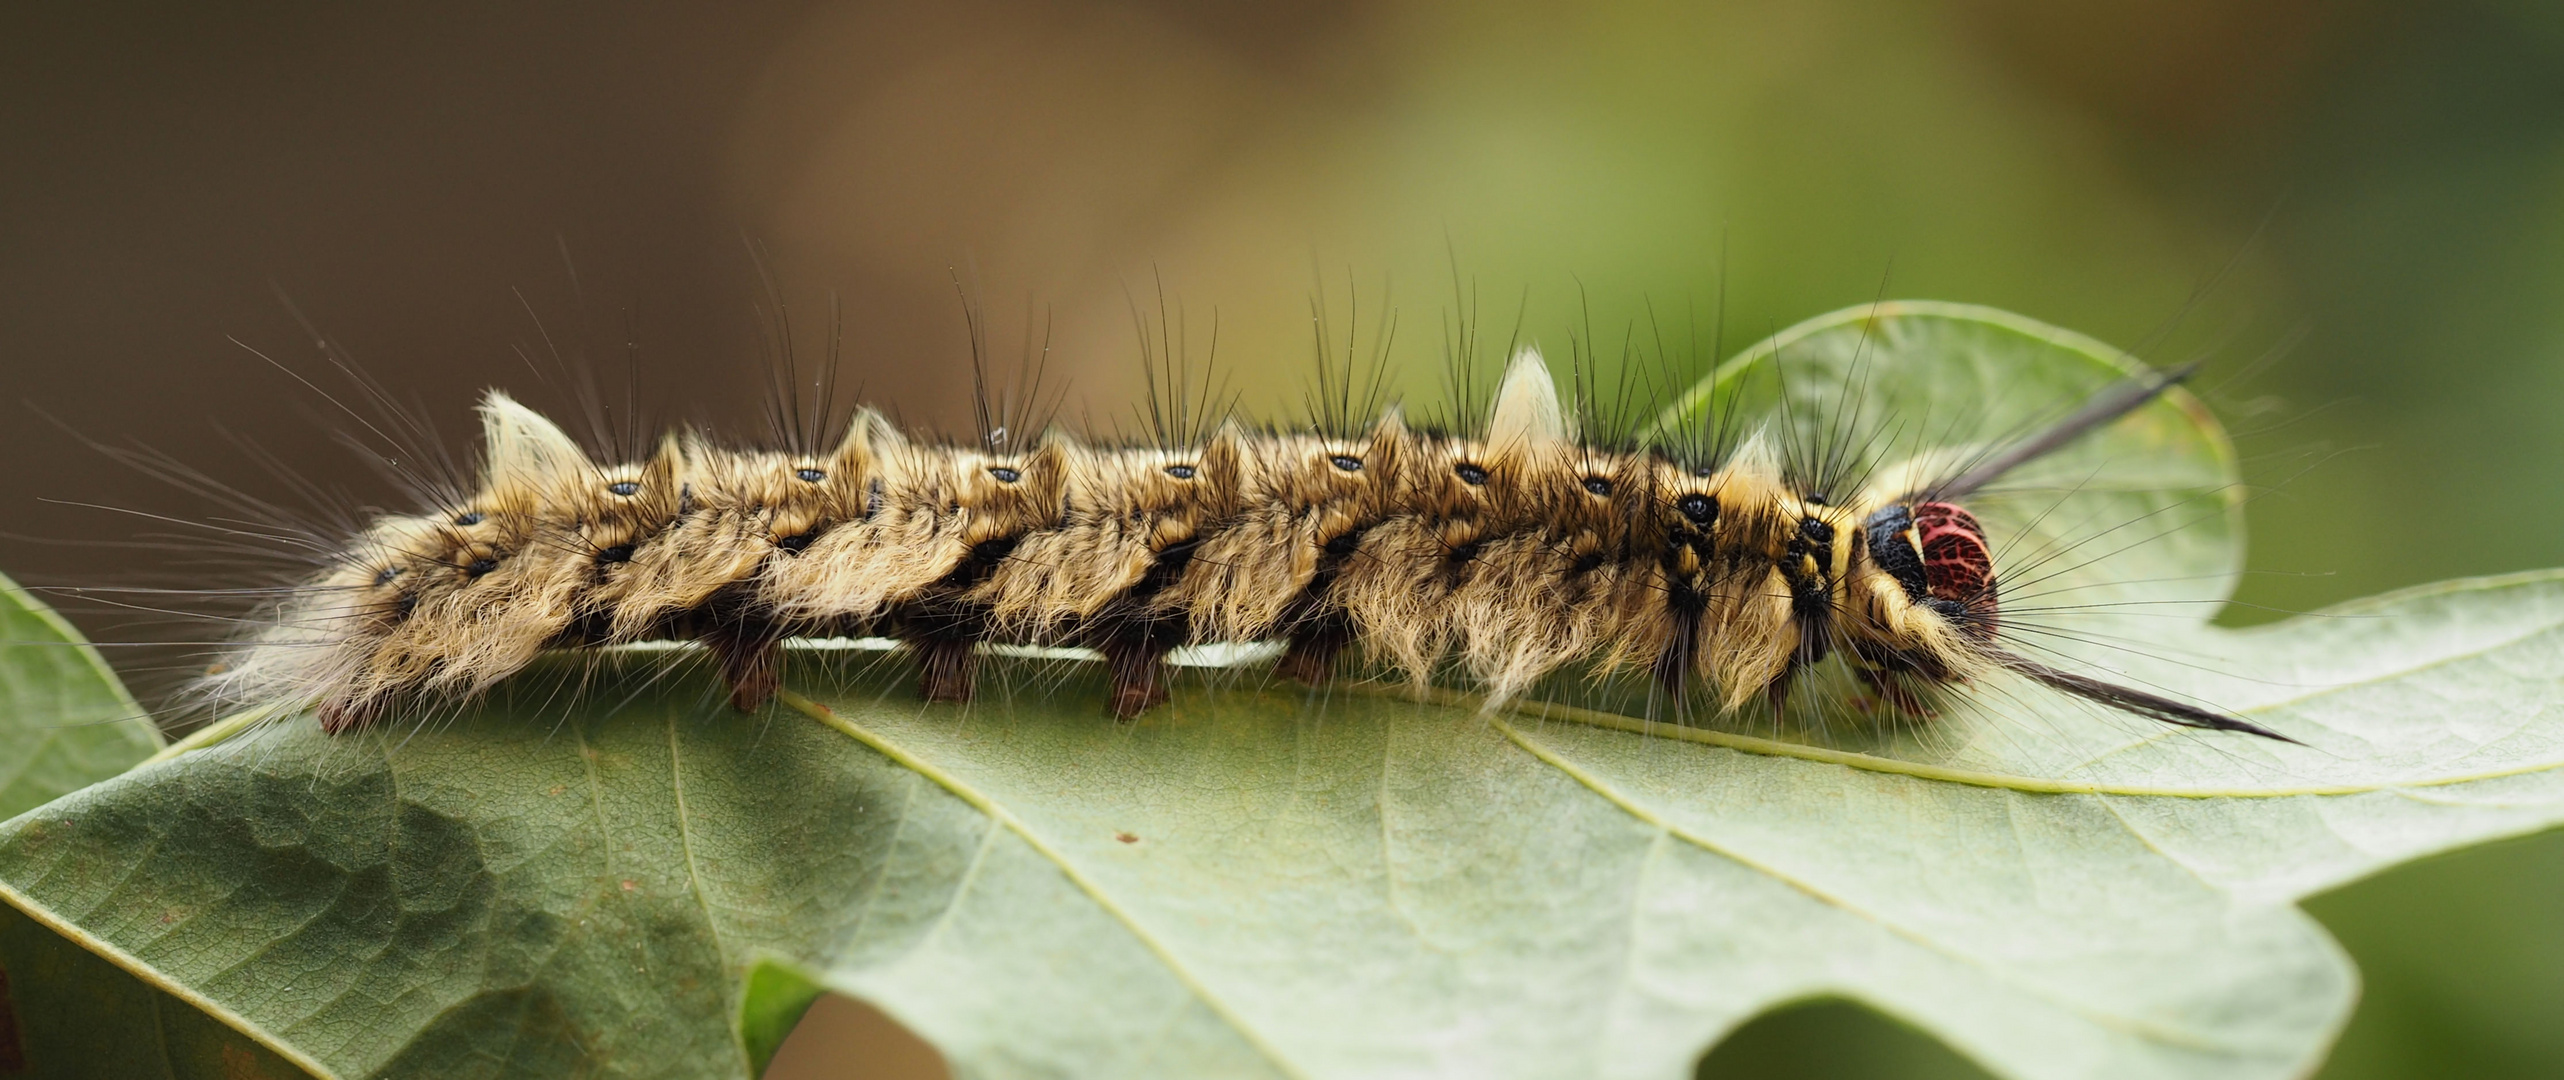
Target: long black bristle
2132, 700
2114, 401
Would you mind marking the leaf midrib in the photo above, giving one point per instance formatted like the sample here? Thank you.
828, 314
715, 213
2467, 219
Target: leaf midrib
140, 969
1749, 744
1176, 969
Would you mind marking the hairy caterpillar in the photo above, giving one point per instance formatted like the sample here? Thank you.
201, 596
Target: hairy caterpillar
1531, 538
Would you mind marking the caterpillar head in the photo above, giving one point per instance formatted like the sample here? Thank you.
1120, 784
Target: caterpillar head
1936, 554
1918, 591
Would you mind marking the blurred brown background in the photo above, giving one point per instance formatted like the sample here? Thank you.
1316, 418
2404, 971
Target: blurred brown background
443, 188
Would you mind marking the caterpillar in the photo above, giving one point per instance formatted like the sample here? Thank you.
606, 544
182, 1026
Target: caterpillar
1534, 536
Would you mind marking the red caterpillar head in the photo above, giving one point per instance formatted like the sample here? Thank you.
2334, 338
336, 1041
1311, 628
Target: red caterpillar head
1937, 552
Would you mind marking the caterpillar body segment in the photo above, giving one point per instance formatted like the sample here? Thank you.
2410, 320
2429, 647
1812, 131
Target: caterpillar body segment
943, 521
1305, 503
1133, 519
1502, 554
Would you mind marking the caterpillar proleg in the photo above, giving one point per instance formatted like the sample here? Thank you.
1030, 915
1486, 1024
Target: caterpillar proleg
1714, 560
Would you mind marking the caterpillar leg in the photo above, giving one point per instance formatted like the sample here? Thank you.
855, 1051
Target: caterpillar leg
1679, 656
1311, 657
1136, 658
947, 668
945, 634
1776, 693
751, 659
1897, 690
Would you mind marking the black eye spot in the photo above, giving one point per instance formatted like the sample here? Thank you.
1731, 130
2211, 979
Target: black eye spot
1180, 472
1701, 509
810, 476
1347, 462
1816, 499
473, 518
386, 574
481, 566
1598, 486
625, 488
1704, 471
617, 553
1469, 474
1816, 530
796, 542
1004, 475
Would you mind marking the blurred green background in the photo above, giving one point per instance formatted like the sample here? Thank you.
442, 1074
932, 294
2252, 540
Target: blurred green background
447, 189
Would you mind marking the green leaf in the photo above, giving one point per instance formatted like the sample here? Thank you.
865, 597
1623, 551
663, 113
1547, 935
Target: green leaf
72, 1013
601, 870
65, 720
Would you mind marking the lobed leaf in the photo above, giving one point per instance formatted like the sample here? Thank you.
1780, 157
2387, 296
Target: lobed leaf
66, 722
602, 870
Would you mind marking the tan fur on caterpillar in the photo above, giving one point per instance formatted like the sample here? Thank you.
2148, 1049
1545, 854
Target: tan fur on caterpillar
1504, 554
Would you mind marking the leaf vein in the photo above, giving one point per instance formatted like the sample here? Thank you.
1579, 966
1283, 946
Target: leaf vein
2107, 1020
1093, 889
